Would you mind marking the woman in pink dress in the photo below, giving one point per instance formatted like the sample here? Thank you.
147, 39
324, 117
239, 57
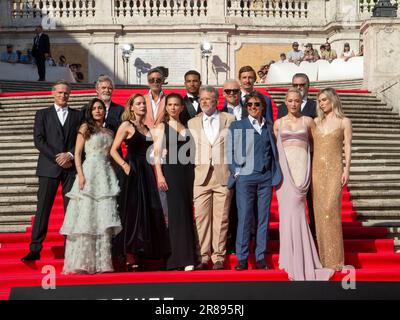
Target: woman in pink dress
297, 253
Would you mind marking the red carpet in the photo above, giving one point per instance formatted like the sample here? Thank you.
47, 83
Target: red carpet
367, 249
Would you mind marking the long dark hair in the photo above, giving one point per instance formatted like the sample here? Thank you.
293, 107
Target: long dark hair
170, 96
91, 123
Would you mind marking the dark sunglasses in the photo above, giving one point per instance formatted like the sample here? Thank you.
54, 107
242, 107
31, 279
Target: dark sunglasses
232, 91
155, 80
256, 104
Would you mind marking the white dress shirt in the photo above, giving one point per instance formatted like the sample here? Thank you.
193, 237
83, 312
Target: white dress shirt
194, 103
107, 108
62, 113
243, 96
211, 126
236, 111
155, 104
256, 125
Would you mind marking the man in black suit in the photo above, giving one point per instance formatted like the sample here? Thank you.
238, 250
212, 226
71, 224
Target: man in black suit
309, 109
191, 100
114, 111
308, 106
41, 51
233, 102
55, 134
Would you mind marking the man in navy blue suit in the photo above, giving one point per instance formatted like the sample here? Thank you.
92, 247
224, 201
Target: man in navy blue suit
247, 79
254, 168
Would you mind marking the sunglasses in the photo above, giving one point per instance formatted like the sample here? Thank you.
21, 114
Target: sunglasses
232, 91
155, 80
256, 104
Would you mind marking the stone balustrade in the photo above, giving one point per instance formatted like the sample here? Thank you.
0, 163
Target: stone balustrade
70, 9
268, 8
160, 8
365, 7
301, 13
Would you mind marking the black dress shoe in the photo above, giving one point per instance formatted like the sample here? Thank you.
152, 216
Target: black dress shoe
202, 266
261, 265
31, 256
242, 265
219, 265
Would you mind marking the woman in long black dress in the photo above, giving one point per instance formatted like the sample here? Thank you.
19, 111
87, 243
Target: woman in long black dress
175, 176
144, 234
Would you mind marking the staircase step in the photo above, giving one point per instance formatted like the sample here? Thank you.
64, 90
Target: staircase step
12, 228
17, 199
377, 185
19, 181
13, 190
16, 219
375, 136
376, 203
374, 177
375, 194
355, 170
375, 162
18, 173
18, 158
378, 214
28, 151
15, 209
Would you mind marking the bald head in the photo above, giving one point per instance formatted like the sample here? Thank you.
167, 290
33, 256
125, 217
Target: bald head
232, 92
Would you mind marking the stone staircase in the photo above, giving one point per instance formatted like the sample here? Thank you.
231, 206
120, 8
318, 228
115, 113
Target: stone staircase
375, 170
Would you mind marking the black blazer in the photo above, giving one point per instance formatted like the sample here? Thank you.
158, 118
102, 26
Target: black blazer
51, 138
189, 111
309, 110
113, 120
38, 50
244, 109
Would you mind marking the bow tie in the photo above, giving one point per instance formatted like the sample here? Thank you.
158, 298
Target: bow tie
194, 99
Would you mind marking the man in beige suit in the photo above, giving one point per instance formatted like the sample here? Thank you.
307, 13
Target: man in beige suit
155, 99
211, 195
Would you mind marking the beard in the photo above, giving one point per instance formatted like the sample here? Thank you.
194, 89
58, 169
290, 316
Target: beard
105, 97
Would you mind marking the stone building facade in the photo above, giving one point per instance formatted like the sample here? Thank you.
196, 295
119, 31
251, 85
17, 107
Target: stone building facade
169, 32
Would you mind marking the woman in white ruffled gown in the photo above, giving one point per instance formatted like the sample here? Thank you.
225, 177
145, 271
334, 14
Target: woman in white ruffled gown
92, 219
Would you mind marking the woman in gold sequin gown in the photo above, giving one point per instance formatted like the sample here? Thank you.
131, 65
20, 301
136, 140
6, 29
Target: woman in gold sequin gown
333, 130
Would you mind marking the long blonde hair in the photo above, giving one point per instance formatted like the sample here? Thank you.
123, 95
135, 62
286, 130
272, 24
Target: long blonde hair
333, 98
128, 115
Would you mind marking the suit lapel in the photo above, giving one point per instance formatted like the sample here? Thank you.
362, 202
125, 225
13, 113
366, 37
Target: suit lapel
190, 108
222, 125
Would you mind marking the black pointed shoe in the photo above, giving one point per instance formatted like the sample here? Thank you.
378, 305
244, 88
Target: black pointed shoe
261, 265
242, 265
31, 256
